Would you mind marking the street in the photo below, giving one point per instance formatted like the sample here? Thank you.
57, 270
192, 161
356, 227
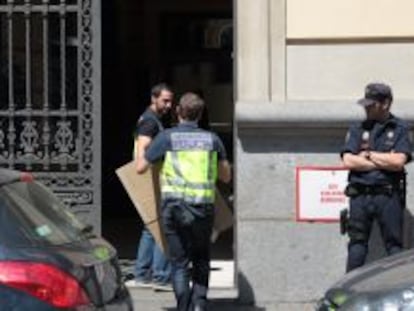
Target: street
148, 300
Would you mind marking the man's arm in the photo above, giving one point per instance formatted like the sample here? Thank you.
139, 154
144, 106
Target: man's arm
224, 171
390, 161
142, 143
369, 160
358, 162
153, 153
395, 159
142, 165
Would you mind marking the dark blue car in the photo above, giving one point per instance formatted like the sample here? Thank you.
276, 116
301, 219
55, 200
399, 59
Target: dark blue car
48, 259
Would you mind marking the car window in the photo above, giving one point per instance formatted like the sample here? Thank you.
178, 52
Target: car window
39, 215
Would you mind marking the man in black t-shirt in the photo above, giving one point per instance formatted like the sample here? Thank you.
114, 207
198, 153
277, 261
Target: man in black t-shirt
152, 269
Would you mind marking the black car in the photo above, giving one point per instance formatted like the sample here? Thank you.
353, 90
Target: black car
386, 285
48, 259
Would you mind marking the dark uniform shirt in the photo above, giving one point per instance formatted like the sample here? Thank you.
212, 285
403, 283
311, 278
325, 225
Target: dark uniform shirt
162, 142
391, 135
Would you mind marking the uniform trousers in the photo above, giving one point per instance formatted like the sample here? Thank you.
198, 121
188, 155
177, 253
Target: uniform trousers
364, 209
188, 230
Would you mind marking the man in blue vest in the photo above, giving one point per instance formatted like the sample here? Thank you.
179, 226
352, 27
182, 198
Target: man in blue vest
193, 160
375, 152
152, 269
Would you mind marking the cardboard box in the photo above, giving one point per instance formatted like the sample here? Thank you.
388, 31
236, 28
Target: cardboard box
144, 192
223, 219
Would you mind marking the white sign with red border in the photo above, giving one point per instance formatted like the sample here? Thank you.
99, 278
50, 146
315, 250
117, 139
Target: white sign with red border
320, 193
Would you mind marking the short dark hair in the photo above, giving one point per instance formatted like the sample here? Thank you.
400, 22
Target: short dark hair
190, 106
158, 88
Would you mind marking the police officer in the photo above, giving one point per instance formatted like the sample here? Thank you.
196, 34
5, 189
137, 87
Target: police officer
193, 159
375, 152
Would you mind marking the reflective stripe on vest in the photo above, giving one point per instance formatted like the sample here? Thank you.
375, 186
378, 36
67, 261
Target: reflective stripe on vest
190, 174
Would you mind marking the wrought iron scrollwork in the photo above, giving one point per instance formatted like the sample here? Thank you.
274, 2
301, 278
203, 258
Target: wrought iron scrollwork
47, 108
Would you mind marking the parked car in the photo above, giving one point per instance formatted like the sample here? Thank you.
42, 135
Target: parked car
48, 259
387, 284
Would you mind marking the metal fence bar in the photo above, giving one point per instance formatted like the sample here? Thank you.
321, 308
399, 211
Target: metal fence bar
46, 127
79, 23
38, 8
11, 131
62, 15
38, 113
64, 143
28, 43
85, 75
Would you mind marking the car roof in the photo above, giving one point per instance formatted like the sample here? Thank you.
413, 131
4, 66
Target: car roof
389, 272
8, 176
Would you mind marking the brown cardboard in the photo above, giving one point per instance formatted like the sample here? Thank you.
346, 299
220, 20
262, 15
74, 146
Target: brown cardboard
223, 219
144, 193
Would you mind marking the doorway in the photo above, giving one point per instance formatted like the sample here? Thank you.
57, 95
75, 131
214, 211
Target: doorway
186, 43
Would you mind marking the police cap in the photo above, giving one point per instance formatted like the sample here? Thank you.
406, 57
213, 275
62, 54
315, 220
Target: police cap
375, 92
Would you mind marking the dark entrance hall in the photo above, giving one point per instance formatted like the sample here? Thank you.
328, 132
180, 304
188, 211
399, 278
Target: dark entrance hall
185, 43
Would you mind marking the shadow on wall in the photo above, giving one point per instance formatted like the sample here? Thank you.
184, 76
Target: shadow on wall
408, 229
247, 297
292, 140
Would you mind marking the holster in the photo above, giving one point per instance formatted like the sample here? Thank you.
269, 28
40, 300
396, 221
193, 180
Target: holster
402, 189
351, 191
343, 221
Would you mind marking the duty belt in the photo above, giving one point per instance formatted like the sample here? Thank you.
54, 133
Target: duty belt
353, 190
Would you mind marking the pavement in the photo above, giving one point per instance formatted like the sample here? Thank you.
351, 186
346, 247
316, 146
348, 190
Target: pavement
147, 300
222, 294
169, 305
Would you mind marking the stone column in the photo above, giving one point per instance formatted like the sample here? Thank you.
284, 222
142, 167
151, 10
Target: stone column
278, 50
252, 50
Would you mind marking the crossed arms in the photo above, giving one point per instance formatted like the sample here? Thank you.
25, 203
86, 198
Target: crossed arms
375, 160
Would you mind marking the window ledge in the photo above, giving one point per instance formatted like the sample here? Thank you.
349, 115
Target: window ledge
309, 114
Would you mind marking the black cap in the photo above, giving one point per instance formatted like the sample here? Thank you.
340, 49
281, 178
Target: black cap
375, 92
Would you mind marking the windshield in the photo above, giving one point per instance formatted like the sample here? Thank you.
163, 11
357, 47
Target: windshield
32, 213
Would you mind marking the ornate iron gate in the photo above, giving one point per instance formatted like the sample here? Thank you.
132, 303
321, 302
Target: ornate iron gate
50, 97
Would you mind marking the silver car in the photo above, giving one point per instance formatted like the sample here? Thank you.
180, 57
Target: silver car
386, 284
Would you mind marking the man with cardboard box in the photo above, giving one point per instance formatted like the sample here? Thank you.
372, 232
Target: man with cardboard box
152, 269
192, 160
